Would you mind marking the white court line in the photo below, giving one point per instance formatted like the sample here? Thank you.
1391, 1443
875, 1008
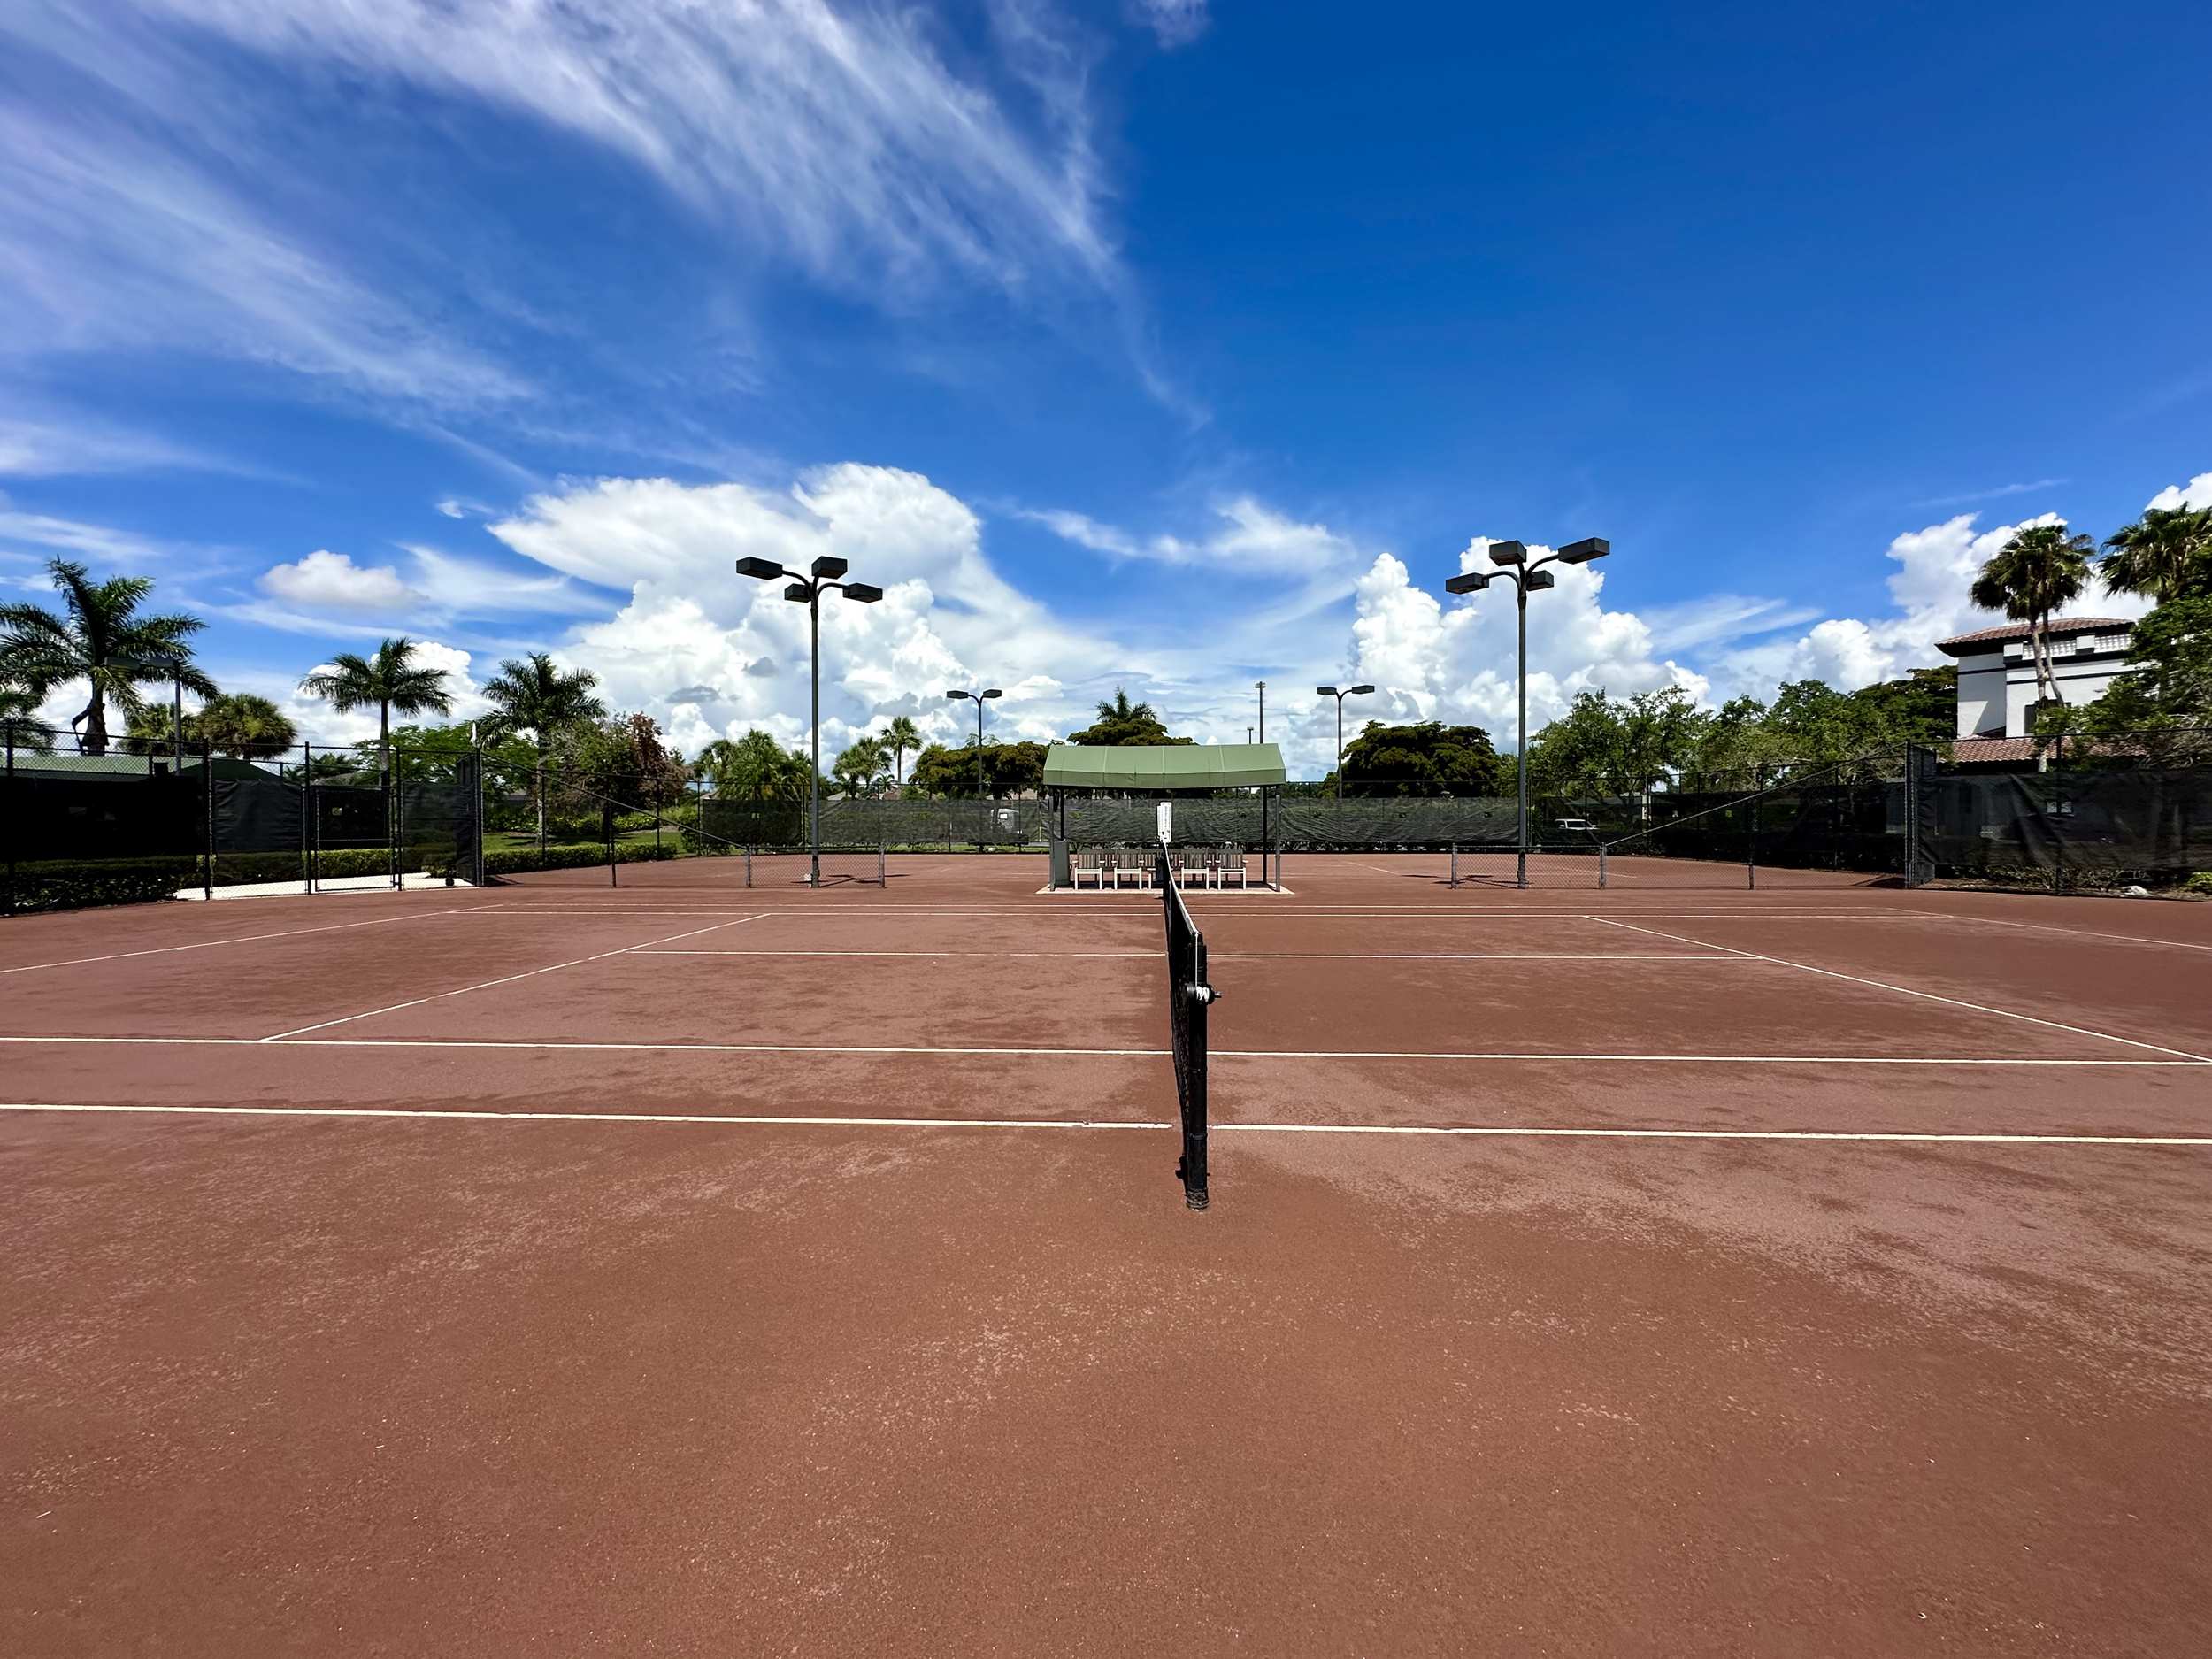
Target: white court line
2071, 933
1906, 990
1011, 956
1531, 1132
747, 1120
531, 1045
486, 985
245, 939
1256, 956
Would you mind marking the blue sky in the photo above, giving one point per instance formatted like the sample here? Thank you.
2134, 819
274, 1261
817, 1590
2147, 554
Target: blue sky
1147, 343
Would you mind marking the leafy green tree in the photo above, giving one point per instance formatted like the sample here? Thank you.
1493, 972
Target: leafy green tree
2030, 578
2166, 555
1617, 746
390, 679
1008, 769
531, 696
103, 639
1426, 759
1121, 723
900, 735
609, 767
2164, 701
863, 769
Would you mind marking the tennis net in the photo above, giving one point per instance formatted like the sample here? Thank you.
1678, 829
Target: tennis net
1188, 996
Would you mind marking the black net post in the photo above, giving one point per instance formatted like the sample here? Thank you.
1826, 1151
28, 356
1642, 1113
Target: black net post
1189, 995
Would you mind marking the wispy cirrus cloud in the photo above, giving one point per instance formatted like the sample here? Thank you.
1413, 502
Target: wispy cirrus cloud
1173, 23
2002, 493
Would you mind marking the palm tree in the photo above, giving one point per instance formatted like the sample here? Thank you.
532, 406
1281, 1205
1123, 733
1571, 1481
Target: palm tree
2040, 569
859, 770
534, 696
18, 727
898, 737
753, 765
103, 641
388, 680
243, 726
2166, 554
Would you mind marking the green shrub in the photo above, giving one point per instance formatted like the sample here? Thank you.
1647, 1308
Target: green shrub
243, 869
71, 885
520, 861
2201, 882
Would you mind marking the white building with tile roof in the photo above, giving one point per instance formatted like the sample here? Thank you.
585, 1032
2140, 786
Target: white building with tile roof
1997, 690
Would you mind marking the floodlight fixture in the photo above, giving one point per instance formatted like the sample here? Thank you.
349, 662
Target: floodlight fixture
1348, 691
808, 591
994, 692
1528, 577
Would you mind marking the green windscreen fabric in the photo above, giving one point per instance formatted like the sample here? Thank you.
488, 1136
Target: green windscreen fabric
1164, 767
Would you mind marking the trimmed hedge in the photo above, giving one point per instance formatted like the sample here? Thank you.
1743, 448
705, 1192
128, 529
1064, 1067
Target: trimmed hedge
79, 884
241, 869
520, 861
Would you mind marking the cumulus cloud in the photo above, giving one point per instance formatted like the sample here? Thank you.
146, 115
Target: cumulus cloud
319, 723
324, 581
2196, 493
947, 617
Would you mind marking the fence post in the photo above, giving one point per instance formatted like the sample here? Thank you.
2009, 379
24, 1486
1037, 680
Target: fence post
1751, 846
8, 816
207, 790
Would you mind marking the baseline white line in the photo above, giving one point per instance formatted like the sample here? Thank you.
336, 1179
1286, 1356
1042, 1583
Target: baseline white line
599, 1118
1906, 990
486, 985
1510, 1133
245, 939
2071, 933
1138, 1054
751, 1120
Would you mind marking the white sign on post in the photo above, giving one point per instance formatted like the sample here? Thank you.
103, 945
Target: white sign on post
1167, 821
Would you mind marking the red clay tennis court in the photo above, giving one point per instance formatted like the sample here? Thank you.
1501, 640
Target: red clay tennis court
561, 1268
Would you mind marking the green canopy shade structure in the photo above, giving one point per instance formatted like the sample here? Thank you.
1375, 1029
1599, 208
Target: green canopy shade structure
1164, 767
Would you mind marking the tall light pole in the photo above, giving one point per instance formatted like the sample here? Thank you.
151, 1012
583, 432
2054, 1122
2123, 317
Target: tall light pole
1262, 684
980, 699
1348, 691
808, 591
1512, 560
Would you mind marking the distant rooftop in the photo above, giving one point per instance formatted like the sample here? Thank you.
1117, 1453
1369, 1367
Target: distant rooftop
2057, 628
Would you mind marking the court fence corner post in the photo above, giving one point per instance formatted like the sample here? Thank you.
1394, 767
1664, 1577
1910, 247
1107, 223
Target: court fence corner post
7, 822
207, 794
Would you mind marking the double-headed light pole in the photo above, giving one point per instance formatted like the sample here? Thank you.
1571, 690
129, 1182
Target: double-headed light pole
980, 698
808, 591
1348, 691
1512, 559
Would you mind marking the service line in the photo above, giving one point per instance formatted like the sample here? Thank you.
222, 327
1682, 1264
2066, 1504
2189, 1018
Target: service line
486, 985
1906, 990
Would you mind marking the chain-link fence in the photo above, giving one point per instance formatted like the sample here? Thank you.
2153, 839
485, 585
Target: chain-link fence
85, 823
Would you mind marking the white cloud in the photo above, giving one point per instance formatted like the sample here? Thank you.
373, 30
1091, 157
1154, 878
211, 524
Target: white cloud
41, 443
2196, 493
71, 538
1173, 22
1936, 570
324, 581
